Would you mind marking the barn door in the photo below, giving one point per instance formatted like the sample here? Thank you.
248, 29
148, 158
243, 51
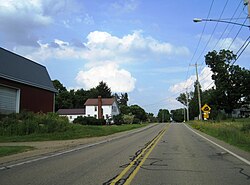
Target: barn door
9, 100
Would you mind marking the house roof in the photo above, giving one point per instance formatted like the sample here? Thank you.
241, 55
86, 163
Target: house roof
71, 111
19, 69
94, 102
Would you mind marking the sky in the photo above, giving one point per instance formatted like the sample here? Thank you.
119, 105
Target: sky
146, 48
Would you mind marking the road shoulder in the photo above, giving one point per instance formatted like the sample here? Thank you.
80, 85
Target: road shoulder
43, 148
237, 151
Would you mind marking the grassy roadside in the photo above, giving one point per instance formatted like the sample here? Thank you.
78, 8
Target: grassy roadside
74, 131
9, 150
235, 132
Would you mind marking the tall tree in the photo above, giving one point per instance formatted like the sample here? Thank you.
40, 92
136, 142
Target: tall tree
122, 99
59, 86
103, 90
194, 105
231, 81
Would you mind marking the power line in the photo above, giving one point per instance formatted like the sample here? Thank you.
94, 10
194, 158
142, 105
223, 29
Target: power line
203, 30
228, 24
212, 32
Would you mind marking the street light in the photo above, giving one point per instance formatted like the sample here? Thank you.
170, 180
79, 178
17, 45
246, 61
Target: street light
218, 20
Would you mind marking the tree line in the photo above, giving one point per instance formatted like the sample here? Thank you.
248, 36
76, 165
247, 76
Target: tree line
69, 99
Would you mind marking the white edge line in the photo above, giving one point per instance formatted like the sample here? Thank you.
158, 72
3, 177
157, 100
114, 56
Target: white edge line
73, 150
235, 155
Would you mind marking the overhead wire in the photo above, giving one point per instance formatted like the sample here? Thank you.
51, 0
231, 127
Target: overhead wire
225, 30
230, 19
198, 44
162, 101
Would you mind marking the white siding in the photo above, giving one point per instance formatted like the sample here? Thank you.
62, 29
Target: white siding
108, 110
91, 111
115, 109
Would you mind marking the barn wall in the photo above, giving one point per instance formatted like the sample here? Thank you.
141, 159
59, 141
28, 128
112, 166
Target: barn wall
32, 98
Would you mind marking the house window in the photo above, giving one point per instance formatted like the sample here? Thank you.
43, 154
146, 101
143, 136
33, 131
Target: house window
114, 108
70, 117
95, 115
107, 116
95, 108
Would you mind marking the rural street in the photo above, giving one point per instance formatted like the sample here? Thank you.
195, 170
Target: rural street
160, 155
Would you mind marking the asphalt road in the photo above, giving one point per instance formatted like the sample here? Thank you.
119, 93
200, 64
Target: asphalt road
161, 155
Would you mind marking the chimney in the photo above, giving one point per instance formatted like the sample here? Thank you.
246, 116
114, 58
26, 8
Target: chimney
99, 107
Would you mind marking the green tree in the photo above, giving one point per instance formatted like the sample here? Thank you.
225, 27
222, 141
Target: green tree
103, 90
151, 118
138, 112
59, 86
231, 81
122, 99
62, 98
178, 115
183, 99
163, 115
193, 104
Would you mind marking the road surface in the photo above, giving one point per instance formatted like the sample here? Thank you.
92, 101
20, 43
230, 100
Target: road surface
161, 155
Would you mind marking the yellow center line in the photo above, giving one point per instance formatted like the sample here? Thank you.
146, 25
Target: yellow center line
152, 144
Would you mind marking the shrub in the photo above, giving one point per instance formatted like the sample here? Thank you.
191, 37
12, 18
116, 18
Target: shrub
89, 121
128, 118
27, 123
118, 119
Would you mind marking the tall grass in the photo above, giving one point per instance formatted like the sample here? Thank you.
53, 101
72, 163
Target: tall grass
236, 132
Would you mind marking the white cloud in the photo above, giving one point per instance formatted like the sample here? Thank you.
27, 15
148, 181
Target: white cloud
204, 79
119, 80
103, 53
102, 46
19, 19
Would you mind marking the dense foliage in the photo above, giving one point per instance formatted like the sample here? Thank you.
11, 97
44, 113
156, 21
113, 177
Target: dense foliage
27, 123
89, 121
163, 116
76, 98
177, 115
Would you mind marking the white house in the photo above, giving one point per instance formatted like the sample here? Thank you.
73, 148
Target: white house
71, 113
99, 108
102, 107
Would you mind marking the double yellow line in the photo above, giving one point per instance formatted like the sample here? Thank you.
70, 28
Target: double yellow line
147, 150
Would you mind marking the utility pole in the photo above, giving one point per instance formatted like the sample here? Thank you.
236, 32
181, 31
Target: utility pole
198, 90
187, 105
184, 114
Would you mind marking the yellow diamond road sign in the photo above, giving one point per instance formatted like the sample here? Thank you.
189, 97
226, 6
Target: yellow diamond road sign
206, 108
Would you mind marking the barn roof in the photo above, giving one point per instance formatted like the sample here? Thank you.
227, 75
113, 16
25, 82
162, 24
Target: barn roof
94, 102
19, 69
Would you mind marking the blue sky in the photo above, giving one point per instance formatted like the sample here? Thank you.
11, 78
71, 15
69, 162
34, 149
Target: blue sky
142, 47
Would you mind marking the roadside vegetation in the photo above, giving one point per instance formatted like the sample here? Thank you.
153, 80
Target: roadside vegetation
29, 126
9, 150
235, 132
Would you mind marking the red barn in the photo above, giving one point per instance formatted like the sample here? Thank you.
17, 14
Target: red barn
24, 85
